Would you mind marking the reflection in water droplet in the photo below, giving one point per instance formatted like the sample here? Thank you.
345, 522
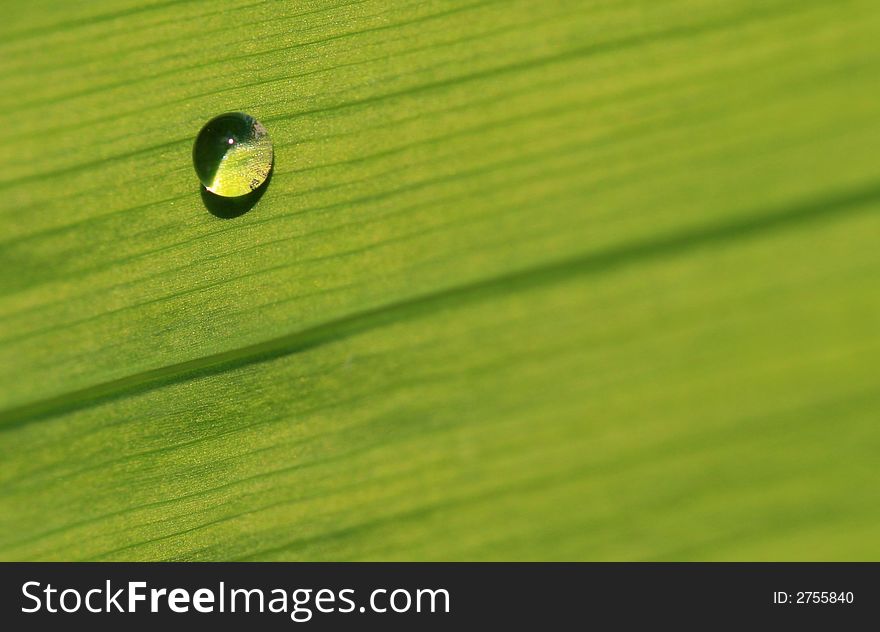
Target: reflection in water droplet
233, 154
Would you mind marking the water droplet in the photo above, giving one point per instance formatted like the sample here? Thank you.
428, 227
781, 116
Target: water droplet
233, 154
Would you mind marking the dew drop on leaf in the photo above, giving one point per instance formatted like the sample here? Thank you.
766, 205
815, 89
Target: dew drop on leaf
233, 154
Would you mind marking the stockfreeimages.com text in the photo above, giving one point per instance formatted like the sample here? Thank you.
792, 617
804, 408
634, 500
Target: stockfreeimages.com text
300, 603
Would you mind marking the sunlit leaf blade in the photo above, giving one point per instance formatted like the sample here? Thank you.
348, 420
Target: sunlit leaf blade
531, 280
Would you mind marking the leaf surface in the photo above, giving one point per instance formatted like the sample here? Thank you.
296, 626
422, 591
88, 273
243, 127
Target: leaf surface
532, 280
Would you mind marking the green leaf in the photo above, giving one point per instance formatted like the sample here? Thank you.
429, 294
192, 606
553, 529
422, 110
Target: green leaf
532, 280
